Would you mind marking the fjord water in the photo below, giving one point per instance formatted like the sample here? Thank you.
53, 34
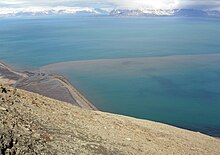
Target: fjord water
162, 69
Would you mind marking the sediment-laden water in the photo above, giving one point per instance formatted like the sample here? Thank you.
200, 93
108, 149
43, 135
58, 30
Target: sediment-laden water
163, 69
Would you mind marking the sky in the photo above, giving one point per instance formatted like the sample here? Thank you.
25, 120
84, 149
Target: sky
128, 4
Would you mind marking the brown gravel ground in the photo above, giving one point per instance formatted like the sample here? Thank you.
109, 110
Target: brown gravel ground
31, 124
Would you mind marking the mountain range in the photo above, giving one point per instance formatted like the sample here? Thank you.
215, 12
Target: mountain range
175, 12
35, 11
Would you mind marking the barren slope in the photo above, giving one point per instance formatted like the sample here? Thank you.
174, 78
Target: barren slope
33, 124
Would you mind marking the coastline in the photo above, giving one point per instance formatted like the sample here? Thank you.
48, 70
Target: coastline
80, 100
50, 127
50, 85
153, 86
76, 94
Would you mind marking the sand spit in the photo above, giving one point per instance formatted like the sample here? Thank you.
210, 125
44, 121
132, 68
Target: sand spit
50, 85
80, 99
34, 124
6, 67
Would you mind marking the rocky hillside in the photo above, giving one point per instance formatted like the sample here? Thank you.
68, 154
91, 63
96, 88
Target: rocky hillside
32, 124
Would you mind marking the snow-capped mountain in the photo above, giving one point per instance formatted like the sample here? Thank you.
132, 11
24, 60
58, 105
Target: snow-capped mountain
45, 11
61, 10
190, 13
141, 12
175, 12
213, 13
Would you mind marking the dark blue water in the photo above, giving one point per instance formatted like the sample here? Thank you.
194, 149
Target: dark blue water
170, 71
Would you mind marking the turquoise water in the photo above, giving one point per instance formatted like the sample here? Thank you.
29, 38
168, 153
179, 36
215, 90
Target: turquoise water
161, 69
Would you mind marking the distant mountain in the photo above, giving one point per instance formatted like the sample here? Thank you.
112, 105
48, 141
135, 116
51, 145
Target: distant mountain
141, 12
46, 11
34, 11
102, 11
213, 13
190, 13
175, 12
120, 12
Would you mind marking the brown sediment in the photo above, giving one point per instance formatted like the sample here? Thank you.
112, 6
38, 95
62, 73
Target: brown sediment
50, 85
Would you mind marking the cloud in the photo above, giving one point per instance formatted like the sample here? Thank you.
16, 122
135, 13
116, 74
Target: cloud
167, 4
155, 4
11, 2
200, 4
131, 4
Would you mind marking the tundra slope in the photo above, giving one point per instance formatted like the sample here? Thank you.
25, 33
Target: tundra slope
34, 124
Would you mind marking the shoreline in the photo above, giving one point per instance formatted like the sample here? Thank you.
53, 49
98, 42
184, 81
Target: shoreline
80, 99
12, 70
51, 126
76, 94
27, 80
